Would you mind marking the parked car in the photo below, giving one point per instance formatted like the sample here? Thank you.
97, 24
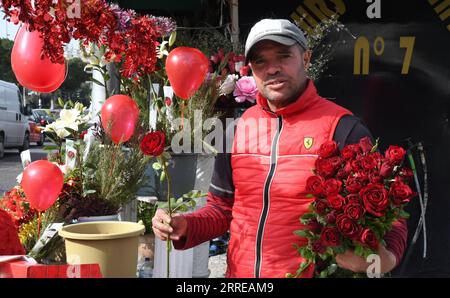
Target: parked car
36, 132
43, 117
14, 126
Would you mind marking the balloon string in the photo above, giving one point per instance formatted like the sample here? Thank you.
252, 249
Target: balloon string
39, 224
182, 114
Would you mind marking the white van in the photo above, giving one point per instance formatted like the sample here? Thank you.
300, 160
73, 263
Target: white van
14, 127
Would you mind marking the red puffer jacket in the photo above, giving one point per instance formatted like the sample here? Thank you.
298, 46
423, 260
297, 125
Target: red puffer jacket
273, 155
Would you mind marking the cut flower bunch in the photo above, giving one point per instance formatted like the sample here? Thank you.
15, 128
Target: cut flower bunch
358, 193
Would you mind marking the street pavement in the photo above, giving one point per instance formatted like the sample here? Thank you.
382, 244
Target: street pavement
11, 165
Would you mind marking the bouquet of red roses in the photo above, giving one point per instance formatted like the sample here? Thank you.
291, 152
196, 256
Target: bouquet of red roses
358, 194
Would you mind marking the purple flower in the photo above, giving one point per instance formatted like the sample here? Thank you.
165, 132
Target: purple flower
245, 90
166, 25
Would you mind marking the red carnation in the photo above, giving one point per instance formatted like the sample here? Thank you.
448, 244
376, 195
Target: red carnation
375, 199
395, 154
328, 149
330, 236
153, 143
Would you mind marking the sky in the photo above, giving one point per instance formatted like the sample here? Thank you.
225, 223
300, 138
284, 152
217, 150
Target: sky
7, 29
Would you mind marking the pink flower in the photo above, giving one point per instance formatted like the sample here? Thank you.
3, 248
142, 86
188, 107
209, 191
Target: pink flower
245, 89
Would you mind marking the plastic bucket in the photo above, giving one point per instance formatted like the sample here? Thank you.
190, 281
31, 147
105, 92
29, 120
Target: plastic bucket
111, 244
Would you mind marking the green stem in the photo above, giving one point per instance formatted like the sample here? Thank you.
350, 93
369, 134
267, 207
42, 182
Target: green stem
168, 241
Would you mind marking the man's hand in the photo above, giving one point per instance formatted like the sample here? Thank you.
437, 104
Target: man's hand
163, 225
348, 260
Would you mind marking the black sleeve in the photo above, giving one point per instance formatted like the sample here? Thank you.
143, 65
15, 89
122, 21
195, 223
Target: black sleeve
350, 130
222, 179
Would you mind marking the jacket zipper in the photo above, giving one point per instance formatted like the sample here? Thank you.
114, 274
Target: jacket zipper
266, 197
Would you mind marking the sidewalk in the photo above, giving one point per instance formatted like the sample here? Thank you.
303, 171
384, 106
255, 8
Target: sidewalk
218, 265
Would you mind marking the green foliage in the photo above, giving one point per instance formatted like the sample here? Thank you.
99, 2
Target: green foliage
184, 203
145, 212
114, 173
6, 73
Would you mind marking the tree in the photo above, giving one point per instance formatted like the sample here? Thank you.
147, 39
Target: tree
6, 73
76, 76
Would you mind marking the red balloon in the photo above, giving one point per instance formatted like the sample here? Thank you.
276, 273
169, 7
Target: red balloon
31, 71
119, 115
42, 182
186, 69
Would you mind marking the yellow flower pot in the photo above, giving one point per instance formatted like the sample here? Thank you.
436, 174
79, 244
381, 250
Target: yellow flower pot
111, 244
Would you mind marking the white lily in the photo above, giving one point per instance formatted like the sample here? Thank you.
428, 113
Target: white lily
228, 85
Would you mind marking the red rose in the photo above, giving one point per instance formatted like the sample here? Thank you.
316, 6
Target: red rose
375, 178
336, 202
406, 173
347, 226
400, 193
328, 149
342, 174
356, 165
354, 184
168, 101
369, 238
318, 247
375, 199
336, 161
354, 211
353, 199
82, 134
331, 217
395, 154
386, 169
314, 185
314, 226
70, 154
153, 143
321, 206
369, 162
325, 167
366, 144
244, 71
332, 187
350, 151
330, 237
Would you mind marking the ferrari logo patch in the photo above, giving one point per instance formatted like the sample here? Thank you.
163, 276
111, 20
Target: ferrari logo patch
308, 142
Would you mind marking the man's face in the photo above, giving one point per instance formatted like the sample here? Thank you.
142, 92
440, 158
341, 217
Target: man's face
279, 71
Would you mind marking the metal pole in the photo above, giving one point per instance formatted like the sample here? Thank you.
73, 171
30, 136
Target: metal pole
234, 8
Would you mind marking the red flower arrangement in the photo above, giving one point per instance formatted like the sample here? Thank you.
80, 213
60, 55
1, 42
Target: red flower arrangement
127, 37
358, 194
16, 205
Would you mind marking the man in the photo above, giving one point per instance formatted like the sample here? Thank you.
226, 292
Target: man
258, 190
